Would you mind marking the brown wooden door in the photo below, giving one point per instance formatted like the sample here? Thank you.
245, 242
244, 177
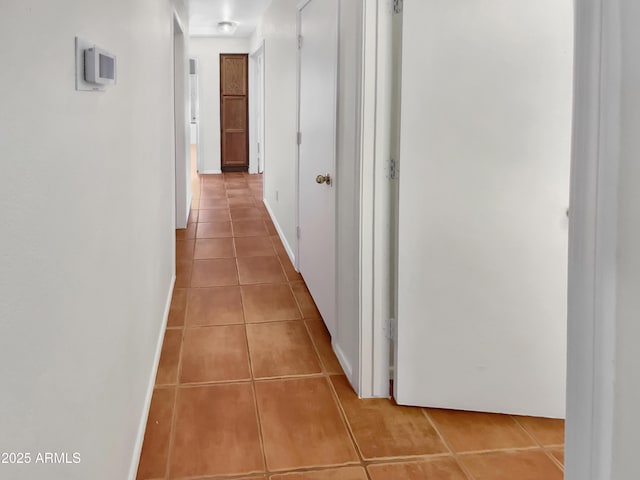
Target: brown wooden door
234, 112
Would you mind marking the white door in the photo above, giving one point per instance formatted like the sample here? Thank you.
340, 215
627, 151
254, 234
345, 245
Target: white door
260, 110
318, 26
484, 191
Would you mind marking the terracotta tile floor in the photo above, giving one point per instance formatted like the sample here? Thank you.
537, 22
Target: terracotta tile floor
248, 386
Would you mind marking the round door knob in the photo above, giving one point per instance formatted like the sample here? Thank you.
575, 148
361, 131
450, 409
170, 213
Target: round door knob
320, 179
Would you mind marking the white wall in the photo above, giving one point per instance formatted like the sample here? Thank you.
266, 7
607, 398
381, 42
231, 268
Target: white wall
207, 50
347, 339
181, 118
87, 208
277, 28
627, 380
484, 176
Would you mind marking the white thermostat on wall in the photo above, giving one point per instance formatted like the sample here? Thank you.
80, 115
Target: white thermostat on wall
99, 66
95, 68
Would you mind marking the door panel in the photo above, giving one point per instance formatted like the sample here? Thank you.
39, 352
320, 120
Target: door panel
234, 80
484, 177
235, 149
234, 112
318, 79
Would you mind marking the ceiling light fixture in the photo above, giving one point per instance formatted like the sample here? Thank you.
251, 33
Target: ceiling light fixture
227, 27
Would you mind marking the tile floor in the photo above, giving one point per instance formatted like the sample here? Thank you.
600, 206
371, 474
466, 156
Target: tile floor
248, 386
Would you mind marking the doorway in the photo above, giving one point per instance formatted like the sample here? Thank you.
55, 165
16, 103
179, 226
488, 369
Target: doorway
194, 132
180, 107
234, 112
256, 102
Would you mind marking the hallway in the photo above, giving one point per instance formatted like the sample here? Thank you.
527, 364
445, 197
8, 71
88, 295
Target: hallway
248, 386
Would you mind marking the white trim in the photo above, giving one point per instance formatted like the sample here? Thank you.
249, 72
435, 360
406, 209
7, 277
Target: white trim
211, 172
281, 234
256, 124
199, 150
342, 358
383, 201
592, 242
137, 450
367, 200
300, 6
181, 185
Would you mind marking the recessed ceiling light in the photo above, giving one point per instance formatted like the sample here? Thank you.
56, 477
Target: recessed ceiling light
227, 27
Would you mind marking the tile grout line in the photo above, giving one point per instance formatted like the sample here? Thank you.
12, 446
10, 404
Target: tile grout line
325, 370
453, 453
538, 442
251, 368
345, 420
174, 415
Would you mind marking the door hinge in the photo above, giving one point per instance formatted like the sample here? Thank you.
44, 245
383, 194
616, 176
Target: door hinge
299, 41
397, 6
299, 138
393, 169
390, 329
298, 232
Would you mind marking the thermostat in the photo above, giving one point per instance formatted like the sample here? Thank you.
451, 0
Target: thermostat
95, 67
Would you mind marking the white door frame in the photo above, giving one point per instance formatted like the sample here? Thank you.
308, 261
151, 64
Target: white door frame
375, 267
592, 235
256, 123
199, 156
181, 123
592, 243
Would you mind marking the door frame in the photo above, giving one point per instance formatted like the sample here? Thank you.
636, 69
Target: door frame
247, 116
592, 242
375, 314
199, 156
256, 84
181, 123
592, 234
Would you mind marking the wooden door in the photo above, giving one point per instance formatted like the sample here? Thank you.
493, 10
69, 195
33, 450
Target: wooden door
234, 112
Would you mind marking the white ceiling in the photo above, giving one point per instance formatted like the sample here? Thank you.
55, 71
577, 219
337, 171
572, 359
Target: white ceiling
204, 16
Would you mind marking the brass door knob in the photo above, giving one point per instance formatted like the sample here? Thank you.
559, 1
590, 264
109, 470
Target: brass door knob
323, 179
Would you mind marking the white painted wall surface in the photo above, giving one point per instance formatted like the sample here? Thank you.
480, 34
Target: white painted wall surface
347, 339
277, 28
627, 380
486, 128
87, 243
181, 119
207, 50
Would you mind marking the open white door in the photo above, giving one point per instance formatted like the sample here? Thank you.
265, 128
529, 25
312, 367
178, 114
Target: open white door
484, 188
318, 27
256, 101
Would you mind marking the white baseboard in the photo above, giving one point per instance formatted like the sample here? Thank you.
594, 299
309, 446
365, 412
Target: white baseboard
287, 247
135, 460
210, 172
346, 366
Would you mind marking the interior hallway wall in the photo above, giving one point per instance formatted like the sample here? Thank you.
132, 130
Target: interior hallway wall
207, 50
87, 244
277, 27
